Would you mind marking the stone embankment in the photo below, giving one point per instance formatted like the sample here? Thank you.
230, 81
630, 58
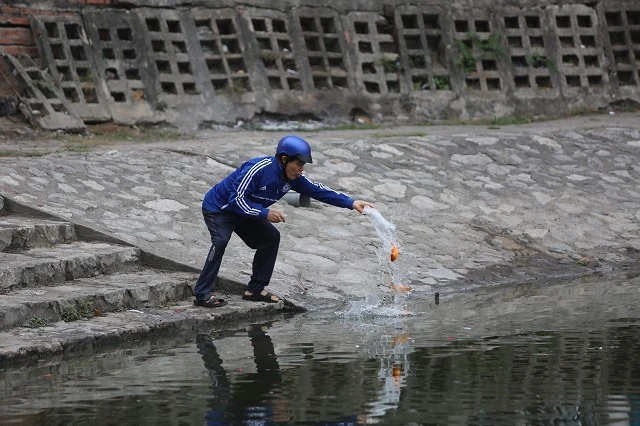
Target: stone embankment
473, 206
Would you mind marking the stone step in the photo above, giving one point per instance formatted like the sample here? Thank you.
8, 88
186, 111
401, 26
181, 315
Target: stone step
85, 297
19, 232
23, 344
64, 262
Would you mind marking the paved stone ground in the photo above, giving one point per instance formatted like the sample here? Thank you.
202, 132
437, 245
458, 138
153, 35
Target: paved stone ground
473, 205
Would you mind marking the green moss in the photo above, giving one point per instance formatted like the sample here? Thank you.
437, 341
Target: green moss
78, 147
492, 47
47, 89
442, 83
11, 153
537, 61
465, 59
240, 85
354, 126
77, 312
107, 135
85, 76
509, 121
37, 322
402, 135
389, 65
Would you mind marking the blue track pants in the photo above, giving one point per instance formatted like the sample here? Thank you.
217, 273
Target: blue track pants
259, 234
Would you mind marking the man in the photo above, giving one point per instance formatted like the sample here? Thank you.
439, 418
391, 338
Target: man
239, 203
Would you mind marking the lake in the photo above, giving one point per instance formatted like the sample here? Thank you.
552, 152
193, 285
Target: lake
563, 353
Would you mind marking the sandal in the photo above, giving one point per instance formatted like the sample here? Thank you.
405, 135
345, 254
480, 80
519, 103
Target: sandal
259, 297
211, 302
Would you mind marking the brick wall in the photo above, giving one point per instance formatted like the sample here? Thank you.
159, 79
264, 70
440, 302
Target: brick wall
91, 2
16, 37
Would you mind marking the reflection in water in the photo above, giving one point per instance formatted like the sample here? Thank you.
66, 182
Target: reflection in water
246, 400
254, 398
533, 378
565, 355
259, 398
394, 368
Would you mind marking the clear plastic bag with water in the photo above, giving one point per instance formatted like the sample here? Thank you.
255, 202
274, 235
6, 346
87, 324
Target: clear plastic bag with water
384, 228
390, 254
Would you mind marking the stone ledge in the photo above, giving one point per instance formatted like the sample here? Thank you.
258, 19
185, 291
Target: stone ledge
105, 293
48, 265
24, 344
22, 232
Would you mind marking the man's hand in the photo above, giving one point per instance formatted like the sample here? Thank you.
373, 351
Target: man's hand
359, 205
275, 216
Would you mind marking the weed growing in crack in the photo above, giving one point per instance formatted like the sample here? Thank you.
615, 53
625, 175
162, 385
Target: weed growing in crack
37, 322
77, 312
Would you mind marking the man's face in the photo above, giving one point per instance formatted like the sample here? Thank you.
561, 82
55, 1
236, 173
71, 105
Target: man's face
294, 169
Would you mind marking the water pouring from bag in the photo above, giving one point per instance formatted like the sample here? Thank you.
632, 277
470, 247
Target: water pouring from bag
386, 232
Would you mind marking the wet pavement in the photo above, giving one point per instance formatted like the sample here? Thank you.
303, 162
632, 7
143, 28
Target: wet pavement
472, 205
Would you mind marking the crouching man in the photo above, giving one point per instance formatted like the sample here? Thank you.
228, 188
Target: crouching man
239, 203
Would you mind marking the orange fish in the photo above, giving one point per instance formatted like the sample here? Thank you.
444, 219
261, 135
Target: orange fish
394, 252
396, 371
400, 339
400, 288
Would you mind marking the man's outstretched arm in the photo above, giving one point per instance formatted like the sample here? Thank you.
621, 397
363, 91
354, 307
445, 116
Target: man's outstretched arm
327, 195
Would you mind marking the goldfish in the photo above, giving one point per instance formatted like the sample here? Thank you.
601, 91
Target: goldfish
400, 288
396, 371
398, 340
394, 252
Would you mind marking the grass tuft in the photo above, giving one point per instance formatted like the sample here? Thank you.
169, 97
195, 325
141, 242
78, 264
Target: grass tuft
77, 312
100, 135
401, 135
13, 153
37, 322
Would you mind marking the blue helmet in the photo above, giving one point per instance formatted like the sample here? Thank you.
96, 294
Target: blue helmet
295, 147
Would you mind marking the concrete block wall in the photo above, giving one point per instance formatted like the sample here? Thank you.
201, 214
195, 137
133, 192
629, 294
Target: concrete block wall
419, 60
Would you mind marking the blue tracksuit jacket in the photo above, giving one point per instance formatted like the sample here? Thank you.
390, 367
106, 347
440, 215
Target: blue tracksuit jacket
259, 183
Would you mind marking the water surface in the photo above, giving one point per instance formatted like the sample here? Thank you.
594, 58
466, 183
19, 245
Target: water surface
563, 354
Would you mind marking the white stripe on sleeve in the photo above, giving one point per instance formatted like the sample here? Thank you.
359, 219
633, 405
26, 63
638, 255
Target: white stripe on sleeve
244, 183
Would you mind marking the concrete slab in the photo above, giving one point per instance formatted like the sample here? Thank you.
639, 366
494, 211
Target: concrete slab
21, 344
122, 61
106, 293
22, 232
64, 49
50, 265
42, 103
